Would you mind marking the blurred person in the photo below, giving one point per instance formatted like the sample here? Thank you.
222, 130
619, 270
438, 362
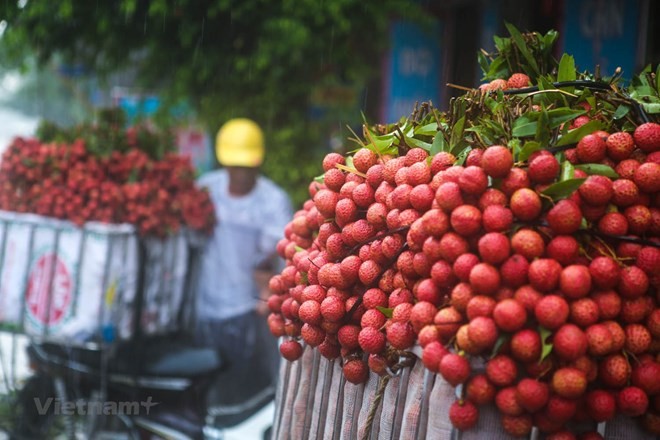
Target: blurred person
237, 263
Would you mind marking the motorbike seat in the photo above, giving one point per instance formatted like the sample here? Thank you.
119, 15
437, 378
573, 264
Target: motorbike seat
184, 362
161, 357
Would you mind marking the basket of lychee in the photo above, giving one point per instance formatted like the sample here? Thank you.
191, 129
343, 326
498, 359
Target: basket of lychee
522, 236
68, 181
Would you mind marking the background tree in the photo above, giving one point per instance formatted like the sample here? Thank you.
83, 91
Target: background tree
225, 58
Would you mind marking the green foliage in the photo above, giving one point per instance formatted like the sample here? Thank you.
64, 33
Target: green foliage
224, 58
529, 53
108, 133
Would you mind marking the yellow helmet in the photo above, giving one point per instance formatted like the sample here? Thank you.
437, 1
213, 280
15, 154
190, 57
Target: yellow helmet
240, 143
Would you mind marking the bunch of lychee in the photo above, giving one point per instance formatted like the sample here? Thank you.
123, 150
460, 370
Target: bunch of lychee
557, 298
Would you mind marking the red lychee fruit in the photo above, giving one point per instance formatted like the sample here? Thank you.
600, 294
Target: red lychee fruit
448, 196
532, 394
614, 371
560, 409
591, 149
544, 274
605, 272
400, 335
482, 332
565, 217
517, 426
480, 390
600, 405
526, 345
647, 137
624, 192
291, 350
633, 282
473, 180
599, 339
569, 382
312, 334
528, 297
584, 312
501, 370
507, 403
363, 159
466, 220
518, 81
528, 243
480, 305
454, 368
463, 265
619, 145
596, 190
497, 161
463, 415
448, 320
632, 401
356, 371
653, 323
647, 177
514, 271
497, 218
325, 201
569, 342
485, 279
575, 281
645, 376
371, 340
432, 354
563, 248
494, 247
551, 311
543, 169
331, 160
515, 180
525, 204
638, 338
639, 219
441, 161
509, 315
613, 223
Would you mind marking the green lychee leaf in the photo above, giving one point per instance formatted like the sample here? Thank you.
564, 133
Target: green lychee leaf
567, 171
320, 179
566, 70
528, 149
439, 144
546, 347
427, 130
574, 136
621, 111
385, 311
597, 168
413, 142
498, 344
522, 46
526, 124
457, 133
561, 190
543, 128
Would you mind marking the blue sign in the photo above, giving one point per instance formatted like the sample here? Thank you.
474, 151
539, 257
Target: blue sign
604, 33
413, 72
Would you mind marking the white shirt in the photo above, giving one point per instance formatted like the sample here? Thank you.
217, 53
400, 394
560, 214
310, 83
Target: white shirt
247, 232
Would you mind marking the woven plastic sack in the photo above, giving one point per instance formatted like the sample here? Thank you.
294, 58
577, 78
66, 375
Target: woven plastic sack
314, 401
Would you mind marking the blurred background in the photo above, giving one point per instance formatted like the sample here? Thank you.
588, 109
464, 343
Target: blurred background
309, 71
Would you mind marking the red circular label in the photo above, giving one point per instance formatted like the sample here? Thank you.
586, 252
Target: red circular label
39, 284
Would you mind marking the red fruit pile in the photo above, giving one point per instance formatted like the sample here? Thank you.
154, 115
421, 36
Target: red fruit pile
66, 181
558, 296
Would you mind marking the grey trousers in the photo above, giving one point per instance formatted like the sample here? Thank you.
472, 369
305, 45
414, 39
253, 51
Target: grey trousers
250, 350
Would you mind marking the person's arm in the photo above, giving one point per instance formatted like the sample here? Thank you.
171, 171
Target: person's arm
262, 275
